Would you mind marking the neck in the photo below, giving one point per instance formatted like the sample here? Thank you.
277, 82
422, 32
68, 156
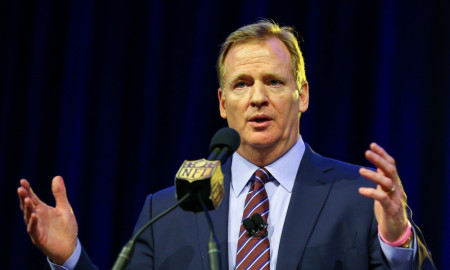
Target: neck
265, 155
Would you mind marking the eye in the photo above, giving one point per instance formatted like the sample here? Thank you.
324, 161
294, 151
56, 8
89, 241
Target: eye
240, 85
275, 83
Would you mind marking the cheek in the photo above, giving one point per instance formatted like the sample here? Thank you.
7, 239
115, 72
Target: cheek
235, 106
236, 114
289, 109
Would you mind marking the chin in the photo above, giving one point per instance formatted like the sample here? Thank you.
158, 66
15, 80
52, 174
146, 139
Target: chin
261, 142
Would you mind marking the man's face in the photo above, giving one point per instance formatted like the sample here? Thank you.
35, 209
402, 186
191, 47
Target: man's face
260, 98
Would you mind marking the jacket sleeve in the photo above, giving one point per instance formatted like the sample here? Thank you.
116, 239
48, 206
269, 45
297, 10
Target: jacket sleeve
84, 262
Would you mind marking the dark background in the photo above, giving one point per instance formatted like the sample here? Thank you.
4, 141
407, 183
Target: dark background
114, 95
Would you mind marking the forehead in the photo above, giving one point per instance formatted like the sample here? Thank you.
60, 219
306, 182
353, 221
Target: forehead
270, 53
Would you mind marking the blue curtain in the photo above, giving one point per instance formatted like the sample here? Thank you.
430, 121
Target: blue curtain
114, 95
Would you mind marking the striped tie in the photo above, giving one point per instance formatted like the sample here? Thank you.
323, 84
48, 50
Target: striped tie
254, 251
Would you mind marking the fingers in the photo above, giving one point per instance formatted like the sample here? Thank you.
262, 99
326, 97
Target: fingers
378, 195
59, 192
386, 176
30, 194
32, 225
385, 166
29, 201
26, 204
33, 230
378, 178
28, 210
380, 151
22, 192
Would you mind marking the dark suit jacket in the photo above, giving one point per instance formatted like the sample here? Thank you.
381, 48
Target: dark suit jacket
328, 225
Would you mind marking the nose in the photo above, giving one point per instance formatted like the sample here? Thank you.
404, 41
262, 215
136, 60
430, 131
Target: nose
259, 95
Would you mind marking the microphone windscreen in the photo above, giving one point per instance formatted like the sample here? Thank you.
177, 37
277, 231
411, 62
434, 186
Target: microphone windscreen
258, 221
225, 137
249, 226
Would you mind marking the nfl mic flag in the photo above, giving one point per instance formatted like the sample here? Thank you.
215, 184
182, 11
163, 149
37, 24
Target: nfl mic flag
202, 176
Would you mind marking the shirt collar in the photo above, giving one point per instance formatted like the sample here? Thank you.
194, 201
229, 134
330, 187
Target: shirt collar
284, 169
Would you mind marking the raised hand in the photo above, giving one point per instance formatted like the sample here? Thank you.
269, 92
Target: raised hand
52, 229
389, 196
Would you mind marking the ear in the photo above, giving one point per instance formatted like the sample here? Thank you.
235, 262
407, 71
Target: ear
222, 108
304, 97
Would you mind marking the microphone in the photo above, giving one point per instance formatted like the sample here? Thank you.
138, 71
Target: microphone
259, 222
249, 226
224, 143
255, 226
204, 178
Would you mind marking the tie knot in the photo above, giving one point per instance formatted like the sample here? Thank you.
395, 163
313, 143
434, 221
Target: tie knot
262, 174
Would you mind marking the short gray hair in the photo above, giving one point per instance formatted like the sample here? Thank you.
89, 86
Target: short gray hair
262, 30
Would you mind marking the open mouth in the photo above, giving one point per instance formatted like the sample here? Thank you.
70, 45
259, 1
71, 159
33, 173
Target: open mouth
260, 120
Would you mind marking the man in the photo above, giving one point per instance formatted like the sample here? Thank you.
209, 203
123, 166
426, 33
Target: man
315, 214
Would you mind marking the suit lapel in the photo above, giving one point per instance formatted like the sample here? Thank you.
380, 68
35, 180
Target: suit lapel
310, 192
220, 222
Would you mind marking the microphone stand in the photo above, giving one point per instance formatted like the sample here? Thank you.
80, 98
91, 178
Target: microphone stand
127, 251
213, 244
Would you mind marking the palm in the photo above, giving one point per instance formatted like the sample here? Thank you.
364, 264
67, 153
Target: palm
55, 229
52, 229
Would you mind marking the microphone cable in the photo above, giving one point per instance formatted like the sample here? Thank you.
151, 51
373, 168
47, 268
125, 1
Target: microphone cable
127, 251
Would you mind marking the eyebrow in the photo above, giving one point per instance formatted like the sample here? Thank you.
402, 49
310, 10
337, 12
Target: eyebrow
237, 77
240, 76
